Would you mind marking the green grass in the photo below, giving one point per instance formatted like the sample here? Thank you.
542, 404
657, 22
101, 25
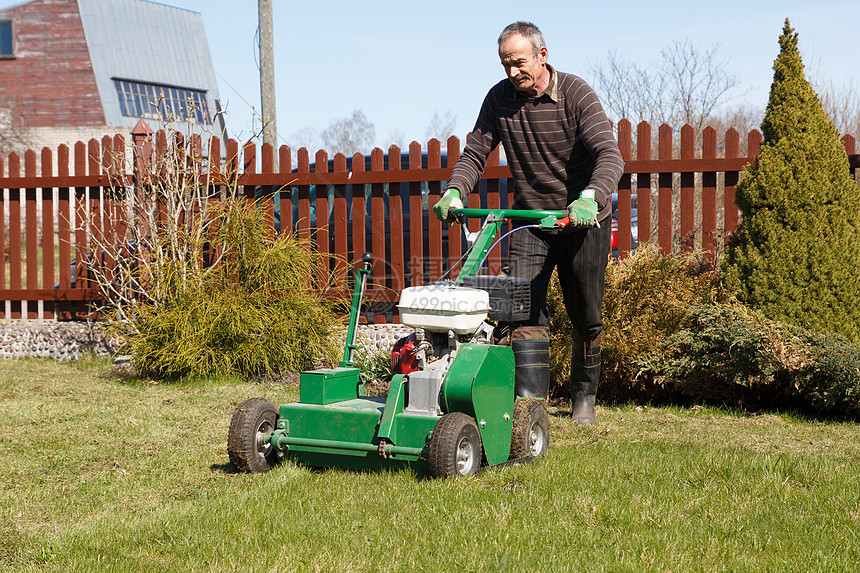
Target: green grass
104, 474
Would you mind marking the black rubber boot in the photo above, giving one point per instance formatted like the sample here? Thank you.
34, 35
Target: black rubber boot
584, 376
531, 378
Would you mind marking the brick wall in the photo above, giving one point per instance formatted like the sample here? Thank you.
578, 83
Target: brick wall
53, 137
50, 81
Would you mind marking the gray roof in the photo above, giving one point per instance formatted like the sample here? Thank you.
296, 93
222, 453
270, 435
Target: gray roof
146, 42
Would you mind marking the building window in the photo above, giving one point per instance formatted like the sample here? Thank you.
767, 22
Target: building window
7, 44
153, 101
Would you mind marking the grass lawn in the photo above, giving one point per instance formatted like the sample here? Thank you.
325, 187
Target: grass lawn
100, 473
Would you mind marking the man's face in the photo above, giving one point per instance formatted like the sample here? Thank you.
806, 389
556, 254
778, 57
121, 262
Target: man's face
522, 66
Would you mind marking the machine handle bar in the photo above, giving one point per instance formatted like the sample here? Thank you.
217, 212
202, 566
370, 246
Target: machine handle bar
548, 219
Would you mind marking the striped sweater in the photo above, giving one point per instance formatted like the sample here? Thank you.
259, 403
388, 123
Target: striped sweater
557, 144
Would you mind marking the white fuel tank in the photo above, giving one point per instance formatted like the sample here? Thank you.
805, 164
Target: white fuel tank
440, 308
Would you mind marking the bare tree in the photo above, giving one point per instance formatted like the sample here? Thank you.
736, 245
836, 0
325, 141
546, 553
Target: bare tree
684, 87
441, 126
743, 118
841, 103
306, 137
396, 137
14, 136
349, 135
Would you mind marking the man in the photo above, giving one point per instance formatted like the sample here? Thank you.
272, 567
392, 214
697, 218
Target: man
562, 156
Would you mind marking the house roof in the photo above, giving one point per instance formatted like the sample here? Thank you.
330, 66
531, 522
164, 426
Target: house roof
146, 42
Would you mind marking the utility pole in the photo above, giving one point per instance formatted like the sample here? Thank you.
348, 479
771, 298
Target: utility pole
267, 76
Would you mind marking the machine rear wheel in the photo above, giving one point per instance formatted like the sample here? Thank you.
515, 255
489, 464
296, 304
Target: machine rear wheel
248, 439
530, 436
455, 446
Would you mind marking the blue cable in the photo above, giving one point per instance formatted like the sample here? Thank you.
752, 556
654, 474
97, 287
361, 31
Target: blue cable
499, 240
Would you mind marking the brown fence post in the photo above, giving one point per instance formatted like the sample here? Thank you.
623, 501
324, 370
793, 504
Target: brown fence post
625, 222
494, 263
395, 223
15, 263
709, 194
416, 219
32, 232
303, 222
435, 265
267, 166
849, 142
321, 226
81, 240
687, 227
48, 262
285, 166
359, 209
730, 210
665, 221
377, 228
643, 181
64, 231
249, 166
108, 221
340, 226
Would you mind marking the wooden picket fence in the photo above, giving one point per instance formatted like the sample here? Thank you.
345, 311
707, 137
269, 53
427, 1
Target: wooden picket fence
681, 189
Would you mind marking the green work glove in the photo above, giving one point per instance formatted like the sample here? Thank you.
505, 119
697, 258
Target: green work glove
449, 202
583, 211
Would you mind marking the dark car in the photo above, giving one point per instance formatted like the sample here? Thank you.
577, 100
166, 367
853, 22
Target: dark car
634, 224
372, 234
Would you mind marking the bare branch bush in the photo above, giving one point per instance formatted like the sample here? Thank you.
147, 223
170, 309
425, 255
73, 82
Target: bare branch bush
195, 279
167, 216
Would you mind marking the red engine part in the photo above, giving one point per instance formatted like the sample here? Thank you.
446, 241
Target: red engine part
403, 359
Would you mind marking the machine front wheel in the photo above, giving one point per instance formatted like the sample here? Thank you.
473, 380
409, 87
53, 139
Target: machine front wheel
455, 446
248, 439
530, 436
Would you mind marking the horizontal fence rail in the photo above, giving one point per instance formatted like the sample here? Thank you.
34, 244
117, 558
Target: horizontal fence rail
677, 193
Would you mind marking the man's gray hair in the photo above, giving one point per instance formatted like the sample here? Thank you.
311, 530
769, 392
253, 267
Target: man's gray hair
527, 30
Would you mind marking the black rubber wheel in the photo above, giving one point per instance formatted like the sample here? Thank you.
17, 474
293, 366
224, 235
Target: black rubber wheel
248, 439
530, 435
455, 447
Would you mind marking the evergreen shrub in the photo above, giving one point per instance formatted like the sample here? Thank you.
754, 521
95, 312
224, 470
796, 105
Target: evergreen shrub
795, 255
646, 298
729, 354
252, 314
674, 333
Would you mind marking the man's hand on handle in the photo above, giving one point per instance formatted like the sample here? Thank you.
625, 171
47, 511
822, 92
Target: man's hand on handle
583, 211
445, 207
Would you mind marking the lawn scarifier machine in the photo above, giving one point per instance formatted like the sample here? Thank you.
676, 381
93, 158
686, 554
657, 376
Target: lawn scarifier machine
452, 406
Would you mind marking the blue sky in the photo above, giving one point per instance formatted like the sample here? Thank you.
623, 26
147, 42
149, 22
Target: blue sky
401, 61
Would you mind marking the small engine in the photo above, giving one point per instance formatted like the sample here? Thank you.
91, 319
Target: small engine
447, 314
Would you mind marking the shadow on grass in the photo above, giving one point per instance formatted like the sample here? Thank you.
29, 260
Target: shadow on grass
223, 468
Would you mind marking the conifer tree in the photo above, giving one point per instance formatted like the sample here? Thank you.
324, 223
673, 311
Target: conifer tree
796, 254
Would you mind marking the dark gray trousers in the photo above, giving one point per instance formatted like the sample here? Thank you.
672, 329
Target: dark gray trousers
581, 259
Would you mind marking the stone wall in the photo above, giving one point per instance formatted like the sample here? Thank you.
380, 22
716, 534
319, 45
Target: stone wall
72, 340
57, 340
381, 336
